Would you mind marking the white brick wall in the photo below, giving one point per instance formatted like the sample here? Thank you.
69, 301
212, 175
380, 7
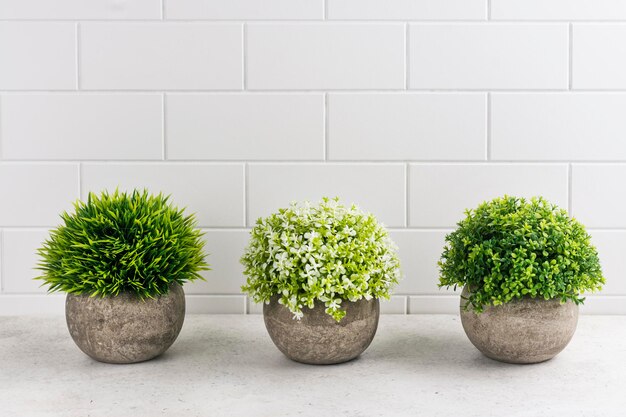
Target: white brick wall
245, 126
37, 56
488, 55
75, 126
331, 56
414, 109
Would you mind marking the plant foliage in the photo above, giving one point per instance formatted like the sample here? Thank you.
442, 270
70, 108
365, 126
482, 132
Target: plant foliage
326, 252
510, 248
122, 242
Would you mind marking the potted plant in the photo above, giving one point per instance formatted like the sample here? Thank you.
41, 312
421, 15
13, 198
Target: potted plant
122, 259
320, 270
523, 266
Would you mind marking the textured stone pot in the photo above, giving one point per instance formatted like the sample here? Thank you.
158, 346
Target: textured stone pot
317, 338
125, 329
528, 330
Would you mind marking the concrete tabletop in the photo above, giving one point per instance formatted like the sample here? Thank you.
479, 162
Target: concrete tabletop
226, 365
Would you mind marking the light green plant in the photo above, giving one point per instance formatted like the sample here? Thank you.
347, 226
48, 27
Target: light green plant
326, 252
510, 247
122, 242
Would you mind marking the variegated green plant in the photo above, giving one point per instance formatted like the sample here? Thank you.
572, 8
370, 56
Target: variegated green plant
510, 247
326, 252
122, 242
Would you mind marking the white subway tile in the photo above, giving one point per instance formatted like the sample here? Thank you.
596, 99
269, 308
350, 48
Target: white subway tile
224, 249
598, 197
439, 194
407, 9
37, 56
20, 259
325, 56
80, 9
601, 305
434, 304
558, 9
488, 56
35, 194
599, 56
245, 126
611, 245
378, 189
407, 126
213, 192
85, 126
395, 305
161, 56
215, 304
32, 304
419, 252
244, 9
254, 308
559, 126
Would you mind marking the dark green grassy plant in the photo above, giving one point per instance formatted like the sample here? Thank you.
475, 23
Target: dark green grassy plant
122, 242
510, 247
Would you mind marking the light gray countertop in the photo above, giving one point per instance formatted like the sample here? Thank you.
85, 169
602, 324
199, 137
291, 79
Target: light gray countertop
226, 365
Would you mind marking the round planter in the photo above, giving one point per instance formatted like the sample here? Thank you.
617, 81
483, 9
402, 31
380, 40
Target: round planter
125, 329
317, 338
526, 330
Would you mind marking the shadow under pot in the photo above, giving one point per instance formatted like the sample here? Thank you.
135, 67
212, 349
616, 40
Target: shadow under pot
317, 338
124, 328
526, 330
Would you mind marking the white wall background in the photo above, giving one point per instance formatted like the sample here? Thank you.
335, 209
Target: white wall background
414, 109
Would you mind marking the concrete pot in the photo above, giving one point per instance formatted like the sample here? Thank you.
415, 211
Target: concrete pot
317, 338
125, 329
528, 330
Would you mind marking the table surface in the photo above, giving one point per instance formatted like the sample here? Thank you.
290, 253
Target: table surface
226, 365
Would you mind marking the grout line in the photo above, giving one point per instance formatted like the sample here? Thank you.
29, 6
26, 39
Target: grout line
407, 34
1, 261
238, 295
325, 9
488, 9
80, 180
163, 9
244, 52
1, 128
407, 176
394, 229
163, 128
325, 145
569, 188
218, 162
321, 20
446, 229
421, 229
488, 127
363, 91
224, 228
570, 74
246, 208
77, 52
